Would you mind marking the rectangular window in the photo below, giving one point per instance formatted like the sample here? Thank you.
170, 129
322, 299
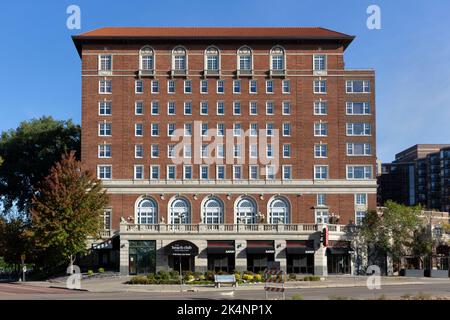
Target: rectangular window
359, 172
154, 172
237, 129
104, 108
359, 217
360, 199
321, 200
358, 86
138, 130
254, 129
138, 172
104, 151
320, 129
171, 86
220, 108
104, 129
269, 108
220, 151
320, 86
321, 216
187, 151
320, 108
188, 108
105, 62
236, 108
286, 108
155, 86
254, 172
358, 108
286, 150
155, 108
270, 172
204, 172
320, 62
104, 172
204, 108
155, 130
359, 149
171, 129
287, 172
139, 108
269, 129
171, 172
286, 129
220, 129
204, 129
154, 150
253, 86
320, 151
106, 219
286, 86
138, 86
220, 172
187, 86
138, 151
245, 61
236, 86
359, 129
204, 86
253, 150
105, 86
171, 108
187, 129
204, 151
269, 150
320, 172
237, 172
269, 86
220, 86
170, 151
237, 151
253, 108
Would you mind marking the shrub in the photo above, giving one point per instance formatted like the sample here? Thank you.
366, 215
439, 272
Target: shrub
258, 277
197, 275
297, 297
138, 280
292, 276
248, 277
311, 278
163, 275
209, 275
90, 273
188, 276
237, 276
173, 274
101, 270
201, 277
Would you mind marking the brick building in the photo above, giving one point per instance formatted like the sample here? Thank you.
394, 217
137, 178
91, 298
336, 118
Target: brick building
227, 148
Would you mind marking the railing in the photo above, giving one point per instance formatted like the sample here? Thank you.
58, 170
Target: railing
225, 228
105, 234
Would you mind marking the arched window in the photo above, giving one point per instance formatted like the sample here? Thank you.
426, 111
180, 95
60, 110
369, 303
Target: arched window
179, 59
147, 212
147, 59
279, 211
245, 58
180, 211
277, 58
246, 211
212, 211
212, 59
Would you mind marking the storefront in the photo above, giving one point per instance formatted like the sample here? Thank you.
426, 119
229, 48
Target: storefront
260, 254
300, 256
221, 256
142, 257
339, 258
182, 255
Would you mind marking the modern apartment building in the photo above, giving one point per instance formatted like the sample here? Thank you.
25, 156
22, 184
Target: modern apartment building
419, 175
228, 148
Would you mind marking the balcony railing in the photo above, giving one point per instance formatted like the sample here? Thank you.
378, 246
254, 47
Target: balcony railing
178, 72
225, 228
211, 73
277, 72
244, 72
146, 73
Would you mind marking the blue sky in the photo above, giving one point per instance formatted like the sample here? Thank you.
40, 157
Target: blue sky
411, 54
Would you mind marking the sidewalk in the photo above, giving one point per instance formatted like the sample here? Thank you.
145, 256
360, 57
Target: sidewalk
117, 284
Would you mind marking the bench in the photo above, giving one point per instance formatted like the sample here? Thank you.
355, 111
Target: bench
219, 279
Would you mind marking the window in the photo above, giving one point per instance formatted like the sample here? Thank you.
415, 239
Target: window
154, 148
253, 108
220, 86
187, 172
147, 212
237, 151
320, 151
179, 60
236, 108
154, 129
204, 129
279, 211
286, 86
359, 129
277, 58
220, 129
286, 129
237, 172
104, 151
321, 216
320, 172
171, 86
253, 86
236, 86
286, 150
105, 86
269, 86
155, 108
358, 108
220, 151
170, 151
138, 172
269, 129
270, 172
245, 59
220, 172
187, 129
106, 219
359, 172
147, 58
220, 108
254, 172
104, 108
204, 108
138, 108
105, 62
170, 129
253, 129
171, 107
187, 151
138, 86
236, 129
204, 172
320, 86
269, 150
358, 86
212, 211
246, 211
320, 62
359, 149
360, 199
320, 108
104, 172
138, 151
154, 172
286, 108
171, 172
287, 172
187, 108
320, 129
187, 86
204, 86
253, 150
321, 200
212, 57
180, 211
104, 129
155, 86
138, 130
359, 217
269, 108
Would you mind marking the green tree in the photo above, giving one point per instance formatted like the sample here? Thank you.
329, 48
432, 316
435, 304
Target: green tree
66, 209
15, 240
27, 154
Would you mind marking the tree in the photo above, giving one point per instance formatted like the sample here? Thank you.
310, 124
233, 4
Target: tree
27, 154
67, 208
15, 240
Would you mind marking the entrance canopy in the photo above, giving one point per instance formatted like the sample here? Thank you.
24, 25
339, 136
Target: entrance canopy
221, 247
260, 247
300, 247
181, 248
340, 250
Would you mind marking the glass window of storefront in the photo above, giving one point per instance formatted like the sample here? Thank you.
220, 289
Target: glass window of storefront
142, 257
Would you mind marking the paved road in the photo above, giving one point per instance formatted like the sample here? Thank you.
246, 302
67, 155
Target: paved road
20, 291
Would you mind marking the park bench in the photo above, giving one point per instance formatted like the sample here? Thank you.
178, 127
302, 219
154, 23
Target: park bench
219, 279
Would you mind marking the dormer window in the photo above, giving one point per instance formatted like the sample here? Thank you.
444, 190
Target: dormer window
146, 61
245, 61
179, 61
277, 61
212, 61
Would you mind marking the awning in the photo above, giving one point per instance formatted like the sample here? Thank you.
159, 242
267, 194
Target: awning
181, 248
260, 247
339, 250
221, 247
300, 247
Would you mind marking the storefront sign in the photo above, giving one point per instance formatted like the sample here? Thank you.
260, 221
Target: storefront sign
182, 248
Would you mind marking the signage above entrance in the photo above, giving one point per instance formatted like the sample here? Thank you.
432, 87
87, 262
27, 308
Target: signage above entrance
181, 248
